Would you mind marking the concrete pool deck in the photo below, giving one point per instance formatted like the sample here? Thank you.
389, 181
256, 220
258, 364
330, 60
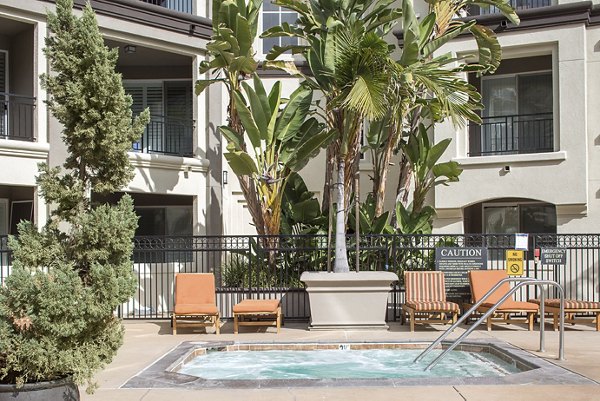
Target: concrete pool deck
147, 341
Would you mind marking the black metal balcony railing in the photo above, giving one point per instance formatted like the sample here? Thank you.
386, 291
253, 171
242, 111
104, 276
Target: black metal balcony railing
16, 117
168, 136
183, 6
525, 133
516, 4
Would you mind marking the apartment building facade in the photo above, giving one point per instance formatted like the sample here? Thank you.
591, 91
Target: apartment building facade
160, 46
530, 167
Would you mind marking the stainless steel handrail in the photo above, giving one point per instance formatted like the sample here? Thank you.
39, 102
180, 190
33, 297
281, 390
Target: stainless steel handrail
468, 313
520, 283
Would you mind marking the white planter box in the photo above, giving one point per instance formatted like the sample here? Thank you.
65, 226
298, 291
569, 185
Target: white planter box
348, 301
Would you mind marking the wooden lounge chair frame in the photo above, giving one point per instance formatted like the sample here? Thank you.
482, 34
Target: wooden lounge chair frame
503, 313
204, 284
265, 317
430, 306
551, 306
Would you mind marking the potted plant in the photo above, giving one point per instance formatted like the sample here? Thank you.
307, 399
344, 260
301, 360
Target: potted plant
57, 321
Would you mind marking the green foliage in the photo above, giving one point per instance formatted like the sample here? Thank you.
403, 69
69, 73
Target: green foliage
301, 212
283, 136
57, 307
230, 48
370, 223
423, 157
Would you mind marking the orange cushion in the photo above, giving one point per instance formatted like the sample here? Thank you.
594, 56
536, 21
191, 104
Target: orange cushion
569, 303
483, 280
194, 288
509, 304
425, 286
195, 309
257, 305
434, 306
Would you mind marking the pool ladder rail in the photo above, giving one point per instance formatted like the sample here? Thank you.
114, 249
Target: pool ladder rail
521, 282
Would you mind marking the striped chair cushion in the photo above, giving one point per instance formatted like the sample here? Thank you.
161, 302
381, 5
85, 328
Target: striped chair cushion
569, 303
425, 286
433, 306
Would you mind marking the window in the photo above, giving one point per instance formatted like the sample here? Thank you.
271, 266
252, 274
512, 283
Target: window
164, 220
519, 218
516, 4
273, 15
171, 126
168, 221
517, 115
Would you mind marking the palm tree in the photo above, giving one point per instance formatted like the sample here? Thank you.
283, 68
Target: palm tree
428, 87
350, 64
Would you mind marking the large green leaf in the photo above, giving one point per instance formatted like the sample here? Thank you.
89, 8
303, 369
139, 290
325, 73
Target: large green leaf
410, 51
294, 114
232, 137
297, 158
247, 120
436, 151
243, 35
260, 114
450, 169
202, 84
241, 163
243, 64
490, 52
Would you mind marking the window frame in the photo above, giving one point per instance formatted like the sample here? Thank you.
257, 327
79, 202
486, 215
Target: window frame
260, 51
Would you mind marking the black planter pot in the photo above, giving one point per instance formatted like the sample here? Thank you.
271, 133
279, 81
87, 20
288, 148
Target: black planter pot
55, 390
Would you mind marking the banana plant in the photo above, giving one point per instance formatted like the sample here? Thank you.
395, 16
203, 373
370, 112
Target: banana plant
427, 86
231, 61
283, 139
423, 157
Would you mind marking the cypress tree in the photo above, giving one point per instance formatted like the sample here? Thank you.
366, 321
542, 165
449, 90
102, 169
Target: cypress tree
57, 307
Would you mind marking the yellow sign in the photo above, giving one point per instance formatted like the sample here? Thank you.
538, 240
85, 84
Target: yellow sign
514, 263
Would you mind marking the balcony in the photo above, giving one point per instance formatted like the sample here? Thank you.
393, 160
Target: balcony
16, 117
167, 136
183, 6
512, 134
516, 4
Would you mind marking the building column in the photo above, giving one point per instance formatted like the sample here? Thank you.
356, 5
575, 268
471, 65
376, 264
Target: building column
40, 208
207, 109
40, 131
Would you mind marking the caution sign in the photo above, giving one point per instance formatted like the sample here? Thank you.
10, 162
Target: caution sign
514, 263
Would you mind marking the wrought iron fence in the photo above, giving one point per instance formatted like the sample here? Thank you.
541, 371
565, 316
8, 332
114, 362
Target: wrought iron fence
524, 133
183, 6
270, 267
16, 117
516, 4
168, 136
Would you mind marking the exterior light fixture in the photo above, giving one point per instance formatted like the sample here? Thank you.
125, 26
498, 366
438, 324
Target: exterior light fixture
129, 49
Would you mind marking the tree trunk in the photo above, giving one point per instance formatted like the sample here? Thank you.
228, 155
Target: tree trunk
329, 167
403, 188
341, 254
379, 181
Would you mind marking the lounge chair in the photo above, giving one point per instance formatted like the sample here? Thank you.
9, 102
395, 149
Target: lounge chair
572, 308
482, 281
257, 312
426, 299
195, 300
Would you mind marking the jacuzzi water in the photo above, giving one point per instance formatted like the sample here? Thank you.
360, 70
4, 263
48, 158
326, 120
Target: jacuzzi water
341, 364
